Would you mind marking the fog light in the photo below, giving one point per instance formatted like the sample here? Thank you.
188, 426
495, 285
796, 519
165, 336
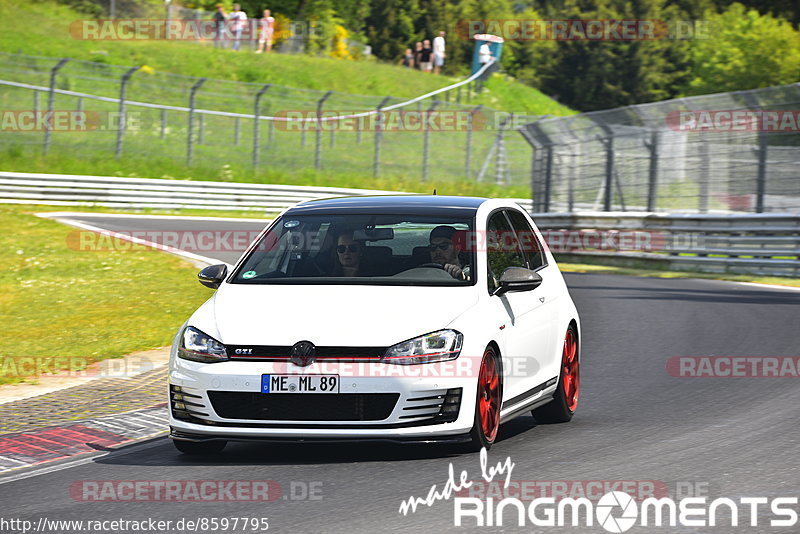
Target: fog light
450, 406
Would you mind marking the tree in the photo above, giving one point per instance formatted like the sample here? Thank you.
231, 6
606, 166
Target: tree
599, 74
390, 27
746, 51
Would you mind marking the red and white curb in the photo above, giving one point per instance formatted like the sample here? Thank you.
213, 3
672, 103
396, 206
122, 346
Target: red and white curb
25, 449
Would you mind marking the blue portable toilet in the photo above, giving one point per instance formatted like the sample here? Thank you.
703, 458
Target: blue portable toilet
495, 44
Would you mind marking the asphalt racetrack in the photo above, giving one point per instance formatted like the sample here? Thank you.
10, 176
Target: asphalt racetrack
719, 437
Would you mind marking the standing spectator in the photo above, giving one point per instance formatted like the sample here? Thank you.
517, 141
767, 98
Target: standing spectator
484, 57
408, 59
219, 26
438, 53
266, 31
417, 52
425, 56
238, 20
484, 54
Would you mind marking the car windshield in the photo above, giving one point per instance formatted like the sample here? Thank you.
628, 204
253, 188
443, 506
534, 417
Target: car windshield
361, 249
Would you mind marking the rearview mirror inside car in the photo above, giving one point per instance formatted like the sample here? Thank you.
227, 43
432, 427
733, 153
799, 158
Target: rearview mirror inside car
373, 234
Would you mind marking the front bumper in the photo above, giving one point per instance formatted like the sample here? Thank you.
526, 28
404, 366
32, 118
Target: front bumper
412, 418
453, 439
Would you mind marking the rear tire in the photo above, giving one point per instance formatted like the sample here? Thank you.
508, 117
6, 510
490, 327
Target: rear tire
565, 401
198, 448
486, 422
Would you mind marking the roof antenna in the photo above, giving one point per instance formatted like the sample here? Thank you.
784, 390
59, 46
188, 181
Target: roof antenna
434, 191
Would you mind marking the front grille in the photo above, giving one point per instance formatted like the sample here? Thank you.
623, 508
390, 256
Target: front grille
283, 353
302, 406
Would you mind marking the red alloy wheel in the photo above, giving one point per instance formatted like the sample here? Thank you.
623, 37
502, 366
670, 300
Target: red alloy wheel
489, 396
571, 371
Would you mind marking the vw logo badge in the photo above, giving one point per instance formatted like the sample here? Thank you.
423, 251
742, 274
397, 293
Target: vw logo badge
303, 353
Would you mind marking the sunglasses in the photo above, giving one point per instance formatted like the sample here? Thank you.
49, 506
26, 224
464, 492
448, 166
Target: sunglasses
341, 249
440, 246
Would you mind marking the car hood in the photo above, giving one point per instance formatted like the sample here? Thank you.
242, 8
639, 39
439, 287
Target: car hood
334, 315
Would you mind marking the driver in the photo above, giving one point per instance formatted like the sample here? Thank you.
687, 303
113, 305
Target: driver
445, 253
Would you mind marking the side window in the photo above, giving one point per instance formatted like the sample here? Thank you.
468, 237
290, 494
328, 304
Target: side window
530, 245
502, 248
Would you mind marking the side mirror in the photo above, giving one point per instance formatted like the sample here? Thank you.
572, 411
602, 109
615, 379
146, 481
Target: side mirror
213, 275
518, 279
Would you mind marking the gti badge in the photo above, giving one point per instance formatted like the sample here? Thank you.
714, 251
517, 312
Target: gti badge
303, 353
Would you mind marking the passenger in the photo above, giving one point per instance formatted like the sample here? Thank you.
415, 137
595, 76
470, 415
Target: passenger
348, 256
445, 253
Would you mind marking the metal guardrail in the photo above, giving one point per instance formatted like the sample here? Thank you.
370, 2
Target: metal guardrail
763, 244
767, 244
155, 193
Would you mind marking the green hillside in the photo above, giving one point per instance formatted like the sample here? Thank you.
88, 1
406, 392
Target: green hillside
223, 148
50, 36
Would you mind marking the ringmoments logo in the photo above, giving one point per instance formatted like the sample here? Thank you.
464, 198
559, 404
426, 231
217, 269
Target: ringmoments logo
618, 511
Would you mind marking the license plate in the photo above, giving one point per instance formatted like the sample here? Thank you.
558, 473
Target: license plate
299, 383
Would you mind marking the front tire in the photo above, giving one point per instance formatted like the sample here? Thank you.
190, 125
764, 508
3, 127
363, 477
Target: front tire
487, 403
565, 401
198, 448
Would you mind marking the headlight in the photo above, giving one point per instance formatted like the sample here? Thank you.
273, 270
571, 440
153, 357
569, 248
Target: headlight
436, 347
200, 347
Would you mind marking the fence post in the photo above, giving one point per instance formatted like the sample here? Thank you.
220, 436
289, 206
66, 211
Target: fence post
608, 193
256, 122
50, 97
571, 183
236, 131
123, 84
548, 177
376, 160
501, 159
468, 159
761, 172
163, 123
426, 140
318, 147
761, 177
190, 133
536, 203
652, 182
705, 169
79, 107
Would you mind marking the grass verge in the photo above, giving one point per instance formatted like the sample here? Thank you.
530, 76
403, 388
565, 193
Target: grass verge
65, 309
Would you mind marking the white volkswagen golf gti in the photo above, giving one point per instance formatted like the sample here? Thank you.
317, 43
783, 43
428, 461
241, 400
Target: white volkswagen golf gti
402, 318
